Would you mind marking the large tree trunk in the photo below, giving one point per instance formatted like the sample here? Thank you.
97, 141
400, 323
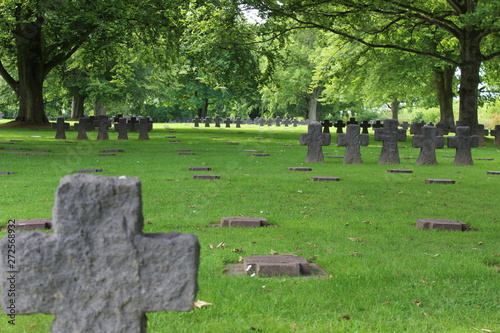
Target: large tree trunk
443, 81
395, 108
99, 107
469, 78
77, 109
31, 72
312, 103
203, 111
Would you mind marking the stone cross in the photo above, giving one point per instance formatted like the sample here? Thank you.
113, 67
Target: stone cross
277, 121
1, 115
143, 127
314, 139
377, 124
122, 127
339, 124
481, 133
390, 135
463, 142
228, 122
270, 122
295, 122
82, 127
131, 123
207, 121
286, 122
238, 122
326, 125
103, 123
60, 126
98, 272
405, 125
442, 129
261, 121
416, 128
365, 125
196, 121
428, 142
353, 121
496, 134
217, 120
352, 140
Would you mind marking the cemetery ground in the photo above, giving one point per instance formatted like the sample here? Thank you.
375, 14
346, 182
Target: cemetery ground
382, 275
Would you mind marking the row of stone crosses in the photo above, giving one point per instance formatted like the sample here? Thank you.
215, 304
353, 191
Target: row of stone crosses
427, 139
217, 121
102, 123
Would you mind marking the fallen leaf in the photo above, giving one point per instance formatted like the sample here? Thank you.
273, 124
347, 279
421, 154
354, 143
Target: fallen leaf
417, 302
426, 314
274, 252
346, 317
237, 250
199, 304
485, 330
355, 239
354, 253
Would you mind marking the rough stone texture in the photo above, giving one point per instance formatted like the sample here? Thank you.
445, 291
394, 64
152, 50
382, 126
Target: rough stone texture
428, 142
276, 265
60, 126
441, 224
315, 140
352, 140
299, 169
325, 179
199, 168
439, 181
32, 224
206, 177
463, 142
399, 171
390, 135
496, 133
242, 221
98, 272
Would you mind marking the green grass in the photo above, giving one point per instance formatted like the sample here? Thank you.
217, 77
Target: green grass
360, 230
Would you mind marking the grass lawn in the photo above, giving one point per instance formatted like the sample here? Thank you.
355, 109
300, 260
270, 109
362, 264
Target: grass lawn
382, 274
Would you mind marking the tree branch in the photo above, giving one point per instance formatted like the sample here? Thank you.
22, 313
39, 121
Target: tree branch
455, 5
491, 56
9, 79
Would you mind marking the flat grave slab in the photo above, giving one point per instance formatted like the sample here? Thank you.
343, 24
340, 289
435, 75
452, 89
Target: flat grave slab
232, 143
439, 181
16, 140
288, 145
493, 172
7, 143
399, 171
259, 138
242, 221
171, 137
335, 156
112, 151
276, 265
441, 224
250, 151
28, 153
299, 169
325, 179
107, 154
408, 158
206, 177
449, 156
187, 153
89, 170
6, 172
260, 154
199, 168
32, 224
484, 159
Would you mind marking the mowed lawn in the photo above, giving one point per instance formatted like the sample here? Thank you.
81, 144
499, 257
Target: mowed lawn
382, 275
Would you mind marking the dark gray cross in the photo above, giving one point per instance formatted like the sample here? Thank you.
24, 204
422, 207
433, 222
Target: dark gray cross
196, 121
496, 134
228, 122
352, 121
98, 272
238, 122
339, 124
481, 133
442, 129
103, 123
262, 121
270, 122
365, 125
207, 121
463, 142
122, 127
60, 126
428, 142
217, 120
131, 123
286, 122
326, 125
143, 127
405, 125
416, 128
390, 135
82, 127
315, 140
277, 121
295, 122
352, 140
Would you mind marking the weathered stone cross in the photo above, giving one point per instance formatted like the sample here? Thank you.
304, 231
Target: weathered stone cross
122, 127
143, 126
352, 140
339, 124
238, 122
428, 142
217, 120
196, 121
60, 126
390, 135
326, 125
228, 122
98, 272
314, 139
82, 127
463, 142
103, 123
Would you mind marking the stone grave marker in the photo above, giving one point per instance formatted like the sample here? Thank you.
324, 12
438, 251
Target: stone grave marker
1, 115
270, 122
261, 121
103, 124
428, 142
131, 123
207, 121
442, 129
481, 133
352, 121
82, 127
276, 265
390, 134
199, 168
228, 122
122, 127
463, 142
242, 221
441, 224
326, 125
33, 224
89, 170
295, 122
352, 140
325, 179
339, 125
60, 126
404, 125
206, 177
98, 272
217, 120
315, 140
238, 122
6, 172
439, 181
286, 122
299, 169
143, 127
365, 125
496, 133
493, 172
416, 128
399, 171
196, 121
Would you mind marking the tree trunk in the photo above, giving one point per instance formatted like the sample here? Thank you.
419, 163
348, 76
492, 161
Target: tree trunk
469, 78
395, 108
77, 110
99, 108
312, 103
443, 82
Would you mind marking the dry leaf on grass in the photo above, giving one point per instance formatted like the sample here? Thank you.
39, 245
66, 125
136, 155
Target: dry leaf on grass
199, 304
